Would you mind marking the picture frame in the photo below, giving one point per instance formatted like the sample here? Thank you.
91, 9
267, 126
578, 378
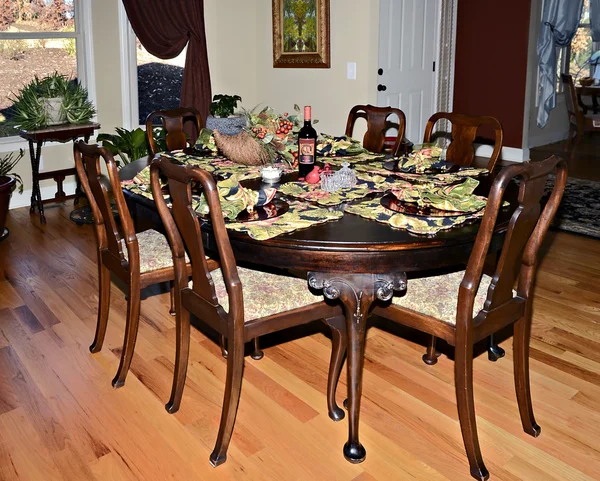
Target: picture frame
301, 35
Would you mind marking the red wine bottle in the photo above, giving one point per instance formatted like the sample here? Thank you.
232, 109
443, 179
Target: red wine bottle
307, 145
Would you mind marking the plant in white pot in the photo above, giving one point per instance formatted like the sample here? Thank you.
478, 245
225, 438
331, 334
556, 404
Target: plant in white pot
8, 182
223, 116
52, 100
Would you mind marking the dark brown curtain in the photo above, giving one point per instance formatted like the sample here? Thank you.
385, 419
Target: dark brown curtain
164, 27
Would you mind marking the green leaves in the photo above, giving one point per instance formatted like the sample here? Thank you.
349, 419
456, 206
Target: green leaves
129, 145
224, 105
28, 108
8, 163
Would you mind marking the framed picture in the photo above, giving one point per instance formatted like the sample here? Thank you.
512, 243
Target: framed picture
301, 33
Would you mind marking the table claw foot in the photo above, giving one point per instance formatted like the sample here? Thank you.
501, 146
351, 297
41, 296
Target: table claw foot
354, 452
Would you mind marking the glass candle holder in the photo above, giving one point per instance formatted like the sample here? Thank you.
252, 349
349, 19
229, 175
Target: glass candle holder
346, 176
329, 181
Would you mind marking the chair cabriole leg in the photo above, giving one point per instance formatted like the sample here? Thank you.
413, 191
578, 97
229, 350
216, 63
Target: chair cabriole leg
182, 354
231, 398
463, 379
103, 307
430, 357
256, 353
522, 331
131, 329
172, 299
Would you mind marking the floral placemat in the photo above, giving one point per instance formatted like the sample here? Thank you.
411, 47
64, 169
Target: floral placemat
377, 167
453, 198
372, 209
366, 184
300, 215
351, 159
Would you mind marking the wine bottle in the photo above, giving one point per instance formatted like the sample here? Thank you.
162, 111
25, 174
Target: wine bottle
307, 145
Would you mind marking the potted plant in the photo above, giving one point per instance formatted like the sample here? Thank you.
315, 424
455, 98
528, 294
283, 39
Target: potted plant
223, 116
52, 100
8, 183
128, 145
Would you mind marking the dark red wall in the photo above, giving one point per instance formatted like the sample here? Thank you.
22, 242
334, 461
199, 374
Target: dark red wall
491, 62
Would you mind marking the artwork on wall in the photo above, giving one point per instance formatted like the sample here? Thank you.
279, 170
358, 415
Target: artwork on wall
301, 33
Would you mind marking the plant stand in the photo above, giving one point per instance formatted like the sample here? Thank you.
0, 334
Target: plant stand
36, 138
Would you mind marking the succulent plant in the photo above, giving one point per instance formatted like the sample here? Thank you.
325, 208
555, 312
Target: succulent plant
28, 109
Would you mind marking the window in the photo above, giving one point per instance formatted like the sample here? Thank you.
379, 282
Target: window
149, 83
38, 37
575, 60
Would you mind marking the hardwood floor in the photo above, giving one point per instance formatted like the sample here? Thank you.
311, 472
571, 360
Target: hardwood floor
60, 419
585, 164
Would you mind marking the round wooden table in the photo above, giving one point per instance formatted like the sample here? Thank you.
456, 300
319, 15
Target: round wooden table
356, 261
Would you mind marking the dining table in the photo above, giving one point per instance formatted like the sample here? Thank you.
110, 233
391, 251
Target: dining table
358, 259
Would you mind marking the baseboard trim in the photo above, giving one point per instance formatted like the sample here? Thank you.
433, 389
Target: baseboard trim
23, 200
508, 153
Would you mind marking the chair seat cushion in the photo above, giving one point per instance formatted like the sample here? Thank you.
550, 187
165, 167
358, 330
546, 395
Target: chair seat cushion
155, 252
266, 294
437, 296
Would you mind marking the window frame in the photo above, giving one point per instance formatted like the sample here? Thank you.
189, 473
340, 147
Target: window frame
84, 58
129, 84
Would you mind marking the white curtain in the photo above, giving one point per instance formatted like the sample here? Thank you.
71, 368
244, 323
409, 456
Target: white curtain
559, 24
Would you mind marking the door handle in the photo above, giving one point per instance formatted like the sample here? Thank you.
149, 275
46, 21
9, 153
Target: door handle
381, 87
380, 71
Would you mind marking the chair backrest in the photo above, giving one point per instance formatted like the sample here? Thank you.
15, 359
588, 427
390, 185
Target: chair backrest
183, 229
524, 235
575, 114
173, 121
378, 122
461, 150
88, 164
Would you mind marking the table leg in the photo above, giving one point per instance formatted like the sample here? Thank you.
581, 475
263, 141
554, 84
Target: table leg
36, 194
356, 292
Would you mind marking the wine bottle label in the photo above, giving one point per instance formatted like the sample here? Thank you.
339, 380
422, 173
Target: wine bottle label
307, 151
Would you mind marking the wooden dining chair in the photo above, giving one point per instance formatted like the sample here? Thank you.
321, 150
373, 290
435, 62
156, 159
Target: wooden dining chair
174, 123
461, 149
579, 123
138, 260
378, 123
467, 306
239, 303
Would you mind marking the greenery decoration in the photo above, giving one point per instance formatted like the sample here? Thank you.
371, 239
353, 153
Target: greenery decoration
278, 133
8, 163
128, 145
223, 106
28, 109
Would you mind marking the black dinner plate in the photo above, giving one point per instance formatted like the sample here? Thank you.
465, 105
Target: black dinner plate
392, 166
389, 201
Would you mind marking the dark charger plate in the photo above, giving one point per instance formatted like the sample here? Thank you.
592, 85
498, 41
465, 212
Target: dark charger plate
389, 201
443, 168
275, 208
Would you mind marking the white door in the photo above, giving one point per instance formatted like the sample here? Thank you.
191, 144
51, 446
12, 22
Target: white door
408, 48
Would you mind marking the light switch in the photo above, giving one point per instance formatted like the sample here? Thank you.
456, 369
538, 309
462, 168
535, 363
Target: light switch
351, 71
